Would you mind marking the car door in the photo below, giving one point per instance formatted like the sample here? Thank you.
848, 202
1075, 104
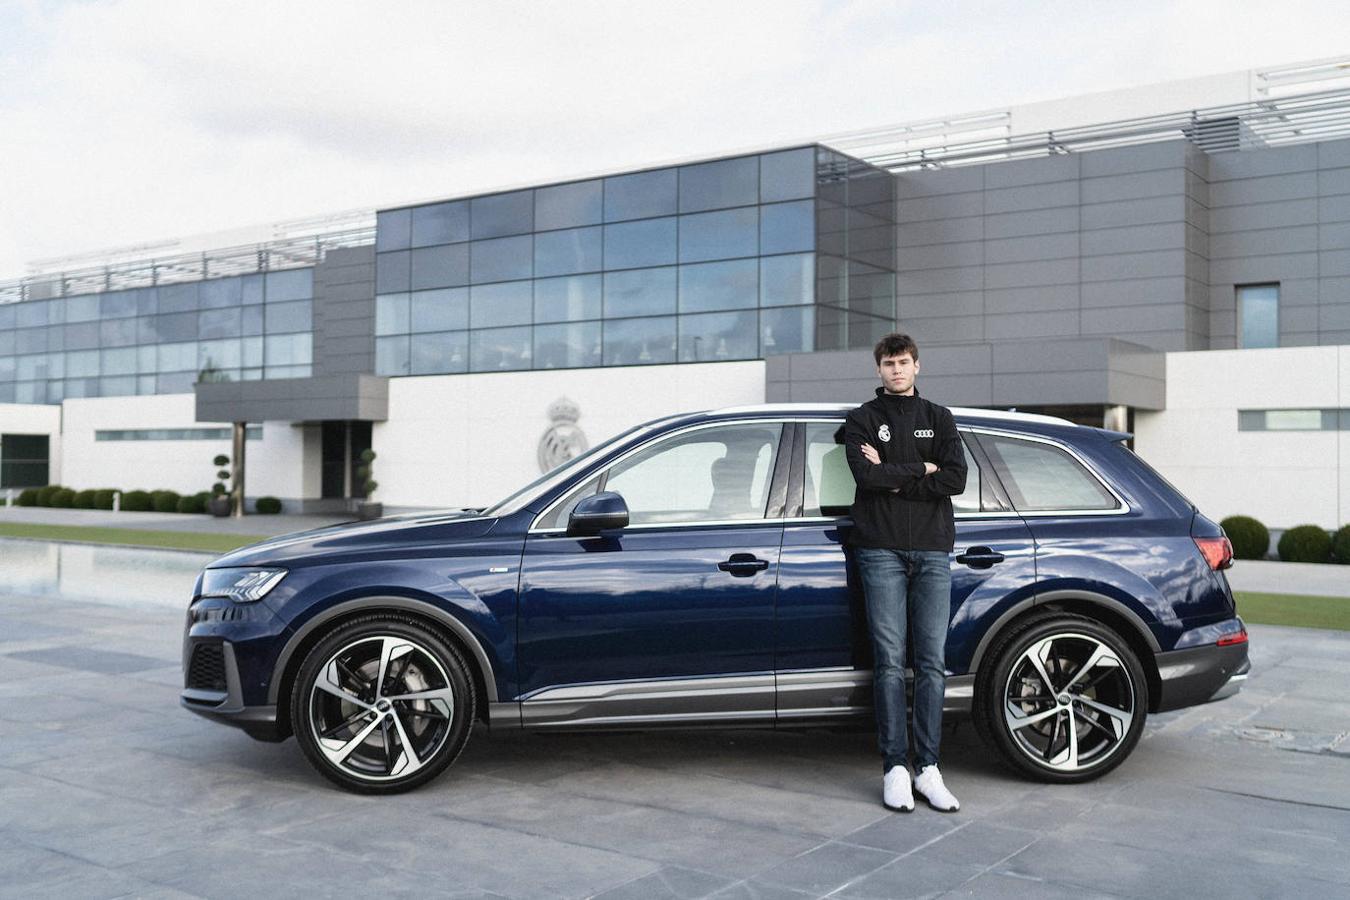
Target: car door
823, 656
671, 618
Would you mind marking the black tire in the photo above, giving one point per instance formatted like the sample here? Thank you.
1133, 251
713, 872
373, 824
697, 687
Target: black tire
1108, 704
357, 733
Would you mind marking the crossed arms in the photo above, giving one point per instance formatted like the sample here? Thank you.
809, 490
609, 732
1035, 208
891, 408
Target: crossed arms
912, 481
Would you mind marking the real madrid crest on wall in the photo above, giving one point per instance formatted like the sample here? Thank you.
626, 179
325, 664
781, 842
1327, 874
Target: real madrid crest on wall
563, 440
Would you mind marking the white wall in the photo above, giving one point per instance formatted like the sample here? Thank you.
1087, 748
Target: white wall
36, 418
273, 464
470, 440
1283, 478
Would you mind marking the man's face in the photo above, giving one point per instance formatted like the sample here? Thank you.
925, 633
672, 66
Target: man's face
897, 372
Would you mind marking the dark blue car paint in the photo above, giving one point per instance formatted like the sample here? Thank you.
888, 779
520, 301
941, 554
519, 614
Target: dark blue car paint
652, 603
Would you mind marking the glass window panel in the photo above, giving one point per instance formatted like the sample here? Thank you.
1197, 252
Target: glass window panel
787, 280
640, 292
393, 229
217, 355
180, 357
567, 299
500, 349
719, 235
8, 318
568, 205
434, 267
789, 175
175, 383
56, 337
145, 358
288, 350
393, 272
787, 227
711, 474
145, 384
503, 259
251, 352
176, 327
492, 305
293, 316
7, 343
440, 353
641, 195
117, 387
391, 355
80, 387
788, 329
220, 323
251, 320
1293, 420
177, 298
721, 285
639, 342
568, 346
291, 284
829, 486
251, 374
566, 252
30, 314
10, 367
221, 292
714, 337
440, 223
1044, 477
82, 336
117, 332
117, 305
716, 185
1258, 315
288, 372
633, 245
391, 314
502, 214
147, 301
251, 289
442, 310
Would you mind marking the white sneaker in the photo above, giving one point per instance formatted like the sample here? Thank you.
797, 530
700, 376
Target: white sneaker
929, 786
895, 790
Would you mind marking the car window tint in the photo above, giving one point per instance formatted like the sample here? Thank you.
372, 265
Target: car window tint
710, 474
1043, 477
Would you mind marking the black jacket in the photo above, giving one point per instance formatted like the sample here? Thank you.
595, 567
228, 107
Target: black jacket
896, 505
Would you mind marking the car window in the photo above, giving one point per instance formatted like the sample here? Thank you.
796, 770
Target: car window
828, 486
557, 516
709, 474
1043, 477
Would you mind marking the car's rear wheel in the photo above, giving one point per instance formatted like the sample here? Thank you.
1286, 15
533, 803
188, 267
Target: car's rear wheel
382, 704
1063, 699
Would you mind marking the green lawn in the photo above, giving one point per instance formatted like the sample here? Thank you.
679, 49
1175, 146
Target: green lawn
1290, 609
178, 540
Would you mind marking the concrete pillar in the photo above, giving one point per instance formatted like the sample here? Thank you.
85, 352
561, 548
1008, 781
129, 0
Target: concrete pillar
1116, 418
239, 429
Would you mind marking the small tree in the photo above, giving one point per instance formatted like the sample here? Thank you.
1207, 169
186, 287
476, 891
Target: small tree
365, 473
222, 475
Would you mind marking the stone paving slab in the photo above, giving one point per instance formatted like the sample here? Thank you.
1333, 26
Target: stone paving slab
109, 789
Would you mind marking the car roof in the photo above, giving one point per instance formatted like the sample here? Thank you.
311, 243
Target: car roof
826, 409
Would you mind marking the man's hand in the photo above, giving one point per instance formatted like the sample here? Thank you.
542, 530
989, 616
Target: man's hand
929, 468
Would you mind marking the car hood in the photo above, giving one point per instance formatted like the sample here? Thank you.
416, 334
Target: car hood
412, 529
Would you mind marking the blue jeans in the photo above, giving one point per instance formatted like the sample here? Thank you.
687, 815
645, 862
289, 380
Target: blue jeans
914, 588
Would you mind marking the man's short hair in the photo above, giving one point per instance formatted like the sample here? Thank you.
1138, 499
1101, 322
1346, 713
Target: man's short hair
895, 344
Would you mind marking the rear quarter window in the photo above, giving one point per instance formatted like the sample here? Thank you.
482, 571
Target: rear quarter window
1042, 477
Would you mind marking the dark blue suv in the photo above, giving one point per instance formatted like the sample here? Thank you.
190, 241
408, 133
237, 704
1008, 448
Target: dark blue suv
696, 570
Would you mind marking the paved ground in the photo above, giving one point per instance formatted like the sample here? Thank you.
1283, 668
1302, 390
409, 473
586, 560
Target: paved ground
1316, 579
108, 789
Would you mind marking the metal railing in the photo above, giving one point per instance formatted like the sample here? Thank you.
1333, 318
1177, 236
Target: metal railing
1274, 122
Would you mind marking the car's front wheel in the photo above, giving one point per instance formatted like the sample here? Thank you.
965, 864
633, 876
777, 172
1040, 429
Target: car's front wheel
1063, 700
382, 705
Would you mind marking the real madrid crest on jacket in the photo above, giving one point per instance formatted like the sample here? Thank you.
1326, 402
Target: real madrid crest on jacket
896, 506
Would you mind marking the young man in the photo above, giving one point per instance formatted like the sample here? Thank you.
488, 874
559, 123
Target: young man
908, 462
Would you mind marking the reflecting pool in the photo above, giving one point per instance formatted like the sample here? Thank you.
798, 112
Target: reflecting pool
123, 576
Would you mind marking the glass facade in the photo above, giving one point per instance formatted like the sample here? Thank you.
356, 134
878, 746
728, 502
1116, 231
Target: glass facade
157, 340
730, 259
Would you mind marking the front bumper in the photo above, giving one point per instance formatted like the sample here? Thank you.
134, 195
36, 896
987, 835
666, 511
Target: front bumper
1200, 674
211, 674
225, 665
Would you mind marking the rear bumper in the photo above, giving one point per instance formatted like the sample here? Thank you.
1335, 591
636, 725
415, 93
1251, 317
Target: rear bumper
1201, 674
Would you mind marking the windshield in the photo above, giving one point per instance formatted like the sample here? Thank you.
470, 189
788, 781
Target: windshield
521, 498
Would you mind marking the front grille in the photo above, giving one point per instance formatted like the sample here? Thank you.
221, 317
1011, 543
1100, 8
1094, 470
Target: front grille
206, 672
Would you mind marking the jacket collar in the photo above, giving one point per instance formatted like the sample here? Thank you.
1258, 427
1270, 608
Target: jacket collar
904, 400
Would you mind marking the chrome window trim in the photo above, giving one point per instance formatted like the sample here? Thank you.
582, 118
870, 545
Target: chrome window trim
750, 420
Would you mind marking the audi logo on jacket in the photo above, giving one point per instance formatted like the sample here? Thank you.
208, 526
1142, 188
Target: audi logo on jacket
896, 505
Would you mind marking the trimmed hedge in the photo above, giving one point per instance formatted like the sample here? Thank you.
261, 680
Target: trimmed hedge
164, 501
45, 494
103, 498
190, 503
267, 506
84, 499
27, 497
1305, 543
1250, 538
63, 498
1340, 546
136, 501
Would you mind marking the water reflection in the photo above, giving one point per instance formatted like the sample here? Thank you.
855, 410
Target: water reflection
118, 575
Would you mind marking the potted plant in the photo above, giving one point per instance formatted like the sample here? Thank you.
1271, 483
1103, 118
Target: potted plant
368, 508
220, 504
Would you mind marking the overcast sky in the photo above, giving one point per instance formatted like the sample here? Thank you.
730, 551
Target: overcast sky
123, 121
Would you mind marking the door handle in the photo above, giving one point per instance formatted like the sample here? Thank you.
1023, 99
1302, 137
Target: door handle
980, 557
743, 565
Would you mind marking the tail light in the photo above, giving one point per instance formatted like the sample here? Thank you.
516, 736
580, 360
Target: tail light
1239, 637
1217, 551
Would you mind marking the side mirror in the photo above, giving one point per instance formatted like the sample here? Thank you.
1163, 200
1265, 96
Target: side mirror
599, 512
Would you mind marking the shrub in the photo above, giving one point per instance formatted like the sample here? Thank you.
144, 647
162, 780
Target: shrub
1340, 546
103, 498
1251, 539
63, 498
44, 494
267, 505
84, 500
27, 497
164, 501
1305, 543
135, 501
191, 503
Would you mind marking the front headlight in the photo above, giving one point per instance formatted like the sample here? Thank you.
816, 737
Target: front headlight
240, 585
